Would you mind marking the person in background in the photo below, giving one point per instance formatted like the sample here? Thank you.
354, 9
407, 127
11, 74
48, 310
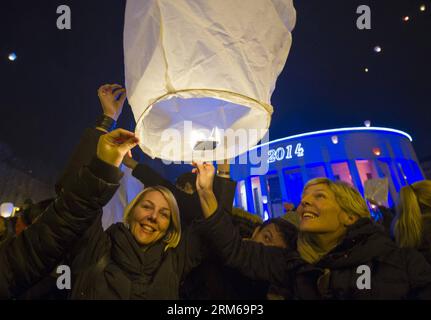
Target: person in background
276, 232
23, 216
30, 212
381, 215
186, 182
279, 233
46, 288
412, 224
245, 221
214, 281
3, 229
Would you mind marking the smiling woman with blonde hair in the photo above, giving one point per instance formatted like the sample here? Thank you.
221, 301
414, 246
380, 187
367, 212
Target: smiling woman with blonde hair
144, 257
327, 209
340, 253
173, 233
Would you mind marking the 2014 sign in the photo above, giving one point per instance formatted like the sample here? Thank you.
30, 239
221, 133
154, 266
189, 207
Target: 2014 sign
285, 153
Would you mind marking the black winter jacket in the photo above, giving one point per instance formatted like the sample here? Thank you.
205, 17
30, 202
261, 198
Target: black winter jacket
111, 265
29, 257
395, 273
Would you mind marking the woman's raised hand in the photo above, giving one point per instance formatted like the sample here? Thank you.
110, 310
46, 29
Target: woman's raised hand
205, 176
204, 186
113, 146
112, 97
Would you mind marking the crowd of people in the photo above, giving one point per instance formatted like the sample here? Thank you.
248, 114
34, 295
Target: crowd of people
186, 241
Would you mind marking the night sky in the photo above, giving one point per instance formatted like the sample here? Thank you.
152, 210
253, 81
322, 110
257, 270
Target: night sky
49, 92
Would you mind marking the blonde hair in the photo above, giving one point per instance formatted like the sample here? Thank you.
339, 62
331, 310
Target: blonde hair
174, 230
348, 198
415, 200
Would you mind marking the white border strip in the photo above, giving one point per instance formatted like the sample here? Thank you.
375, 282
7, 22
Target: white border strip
307, 134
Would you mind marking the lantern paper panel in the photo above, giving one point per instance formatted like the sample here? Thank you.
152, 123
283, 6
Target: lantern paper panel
200, 72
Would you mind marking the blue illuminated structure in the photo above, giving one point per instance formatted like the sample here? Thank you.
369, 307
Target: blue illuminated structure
353, 155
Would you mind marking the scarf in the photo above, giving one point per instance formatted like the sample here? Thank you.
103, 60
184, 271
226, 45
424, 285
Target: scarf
309, 250
128, 258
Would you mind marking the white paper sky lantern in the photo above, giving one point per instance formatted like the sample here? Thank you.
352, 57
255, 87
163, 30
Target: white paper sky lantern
211, 62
